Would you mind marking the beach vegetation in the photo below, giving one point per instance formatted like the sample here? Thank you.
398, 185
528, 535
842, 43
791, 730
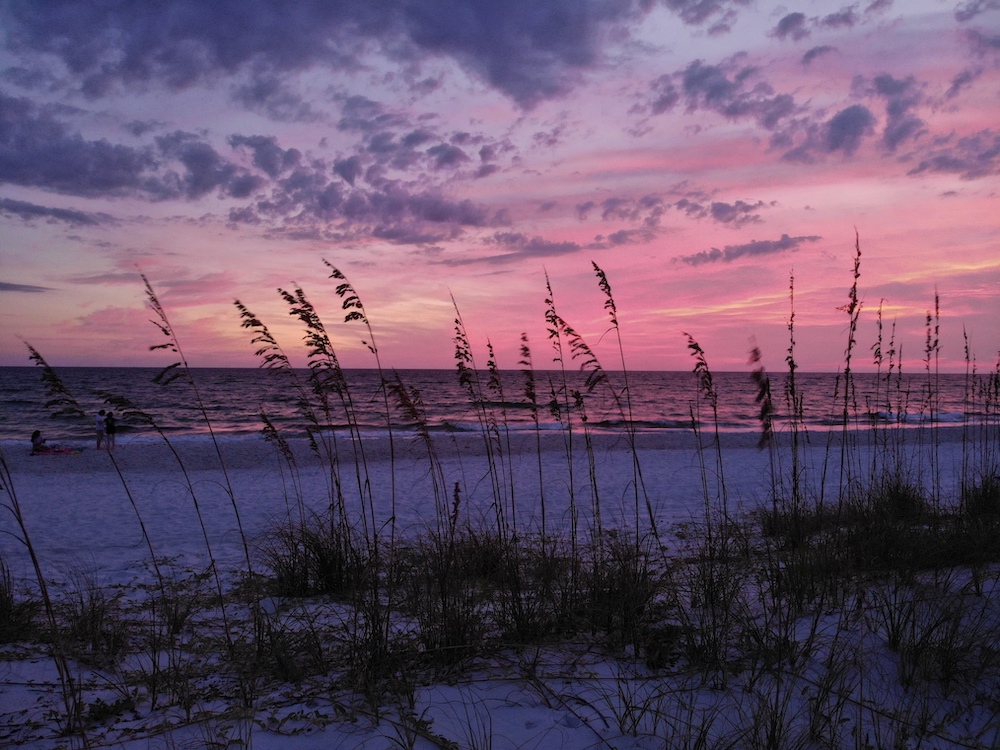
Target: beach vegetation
853, 605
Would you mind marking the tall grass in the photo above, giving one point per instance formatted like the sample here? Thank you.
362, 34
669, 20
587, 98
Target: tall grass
751, 629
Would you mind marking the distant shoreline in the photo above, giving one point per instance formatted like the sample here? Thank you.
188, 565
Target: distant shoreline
251, 450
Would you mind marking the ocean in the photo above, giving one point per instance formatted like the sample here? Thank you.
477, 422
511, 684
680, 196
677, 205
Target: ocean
229, 401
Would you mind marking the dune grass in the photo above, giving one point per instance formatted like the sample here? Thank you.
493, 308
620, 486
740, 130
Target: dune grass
742, 629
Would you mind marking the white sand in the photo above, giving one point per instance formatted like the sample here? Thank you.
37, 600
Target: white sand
82, 513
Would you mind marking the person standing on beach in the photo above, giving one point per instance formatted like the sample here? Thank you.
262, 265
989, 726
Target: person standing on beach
110, 430
99, 425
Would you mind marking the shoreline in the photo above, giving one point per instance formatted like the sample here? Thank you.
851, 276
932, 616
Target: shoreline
248, 450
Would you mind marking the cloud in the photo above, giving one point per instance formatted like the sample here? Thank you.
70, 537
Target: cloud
36, 150
665, 95
725, 89
697, 12
205, 169
982, 44
845, 129
269, 96
962, 80
29, 211
815, 52
970, 10
6, 286
971, 157
901, 96
268, 156
753, 248
527, 50
877, 6
844, 18
520, 246
362, 202
736, 214
445, 155
791, 26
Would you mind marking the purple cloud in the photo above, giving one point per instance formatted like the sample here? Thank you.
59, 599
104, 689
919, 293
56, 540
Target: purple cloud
29, 211
815, 52
791, 26
7, 286
970, 10
901, 96
753, 248
725, 89
971, 157
845, 129
736, 214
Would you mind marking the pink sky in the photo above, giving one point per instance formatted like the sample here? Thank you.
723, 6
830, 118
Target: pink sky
700, 151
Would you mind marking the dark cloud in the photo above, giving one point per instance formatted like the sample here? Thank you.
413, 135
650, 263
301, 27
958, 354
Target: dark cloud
901, 96
518, 246
815, 52
971, 157
205, 169
845, 129
139, 128
645, 211
697, 12
845, 18
359, 113
583, 209
6, 286
445, 155
37, 150
727, 90
528, 50
791, 26
361, 202
355, 192
753, 248
268, 156
736, 214
350, 169
970, 10
964, 79
29, 211
622, 237
665, 95
982, 44
268, 95
417, 137
485, 170
877, 6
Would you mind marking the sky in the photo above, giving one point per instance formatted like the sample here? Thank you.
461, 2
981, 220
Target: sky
719, 160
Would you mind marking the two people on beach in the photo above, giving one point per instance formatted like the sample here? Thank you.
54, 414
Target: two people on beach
106, 427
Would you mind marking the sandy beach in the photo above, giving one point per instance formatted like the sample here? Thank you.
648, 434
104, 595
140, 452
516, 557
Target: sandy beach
83, 513
82, 504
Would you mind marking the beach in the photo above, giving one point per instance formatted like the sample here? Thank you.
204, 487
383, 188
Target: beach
202, 501
86, 506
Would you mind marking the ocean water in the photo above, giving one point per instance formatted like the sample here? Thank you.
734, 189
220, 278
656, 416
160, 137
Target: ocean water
231, 401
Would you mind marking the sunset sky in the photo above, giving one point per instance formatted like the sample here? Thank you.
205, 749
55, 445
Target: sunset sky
702, 152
